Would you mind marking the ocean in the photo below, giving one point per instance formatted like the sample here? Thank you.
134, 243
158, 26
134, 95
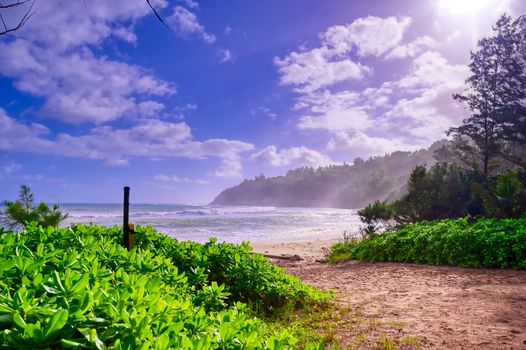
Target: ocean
231, 224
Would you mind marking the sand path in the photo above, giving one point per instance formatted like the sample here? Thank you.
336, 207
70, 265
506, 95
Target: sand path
441, 307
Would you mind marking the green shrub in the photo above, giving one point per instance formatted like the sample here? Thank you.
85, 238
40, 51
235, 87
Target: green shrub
484, 243
23, 210
375, 216
78, 288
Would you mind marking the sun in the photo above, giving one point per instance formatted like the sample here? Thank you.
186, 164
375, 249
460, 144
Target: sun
463, 6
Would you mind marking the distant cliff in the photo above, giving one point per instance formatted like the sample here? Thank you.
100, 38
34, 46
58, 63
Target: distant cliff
337, 186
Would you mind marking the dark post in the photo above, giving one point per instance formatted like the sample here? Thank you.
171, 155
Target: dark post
126, 217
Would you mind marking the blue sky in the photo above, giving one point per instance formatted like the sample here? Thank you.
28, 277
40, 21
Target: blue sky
96, 95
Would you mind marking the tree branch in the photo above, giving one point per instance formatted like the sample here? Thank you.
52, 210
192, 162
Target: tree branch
27, 15
157, 14
18, 3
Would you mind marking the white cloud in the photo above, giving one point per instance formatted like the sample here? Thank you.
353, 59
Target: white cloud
406, 113
9, 168
298, 155
225, 56
63, 24
362, 144
264, 111
414, 111
17, 136
333, 111
149, 138
191, 4
413, 48
227, 30
150, 108
372, 36
126, 34
185, 24
177, 179
57, 61
332, 62
230, 168
432, 69
317, 68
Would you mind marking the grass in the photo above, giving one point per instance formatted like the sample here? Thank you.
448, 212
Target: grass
343, 327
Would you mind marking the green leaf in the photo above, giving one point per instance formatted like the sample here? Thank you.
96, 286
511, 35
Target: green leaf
58, 282
19, 321
71, 344
56, 323
81, 284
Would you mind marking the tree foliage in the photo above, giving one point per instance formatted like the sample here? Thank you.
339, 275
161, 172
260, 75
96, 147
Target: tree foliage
440, 192
448, 191
495, 96
505, 197
375, 216
341, 186
22, 211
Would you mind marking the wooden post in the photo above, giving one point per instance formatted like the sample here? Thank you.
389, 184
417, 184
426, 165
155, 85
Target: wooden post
131, 236
126, 218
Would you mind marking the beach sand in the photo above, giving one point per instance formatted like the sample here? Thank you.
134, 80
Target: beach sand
441, 307
307, 249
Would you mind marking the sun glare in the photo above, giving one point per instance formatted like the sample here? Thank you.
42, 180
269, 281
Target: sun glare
463, 6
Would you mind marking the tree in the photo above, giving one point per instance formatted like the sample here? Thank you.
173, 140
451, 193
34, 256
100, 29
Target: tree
441, 192
497, 85
513, 118
22, 211
505, 198
375, 216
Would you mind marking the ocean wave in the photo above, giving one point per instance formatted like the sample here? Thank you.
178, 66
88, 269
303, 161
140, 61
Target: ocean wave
233, 224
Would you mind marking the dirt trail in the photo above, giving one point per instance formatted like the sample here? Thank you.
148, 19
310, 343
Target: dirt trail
442, 307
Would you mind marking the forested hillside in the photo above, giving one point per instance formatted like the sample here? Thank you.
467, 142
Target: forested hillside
340, 186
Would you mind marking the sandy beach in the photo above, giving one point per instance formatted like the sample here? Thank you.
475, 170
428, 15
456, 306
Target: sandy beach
441, 307
309, 250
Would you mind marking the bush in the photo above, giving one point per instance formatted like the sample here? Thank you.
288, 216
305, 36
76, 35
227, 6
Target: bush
23, 210
375, 216
78, 288
485, 243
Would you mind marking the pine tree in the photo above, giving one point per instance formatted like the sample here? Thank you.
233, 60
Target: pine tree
497, 85
22, 211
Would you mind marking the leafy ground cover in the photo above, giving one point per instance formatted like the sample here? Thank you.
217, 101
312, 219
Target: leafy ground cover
485, 243
78, 288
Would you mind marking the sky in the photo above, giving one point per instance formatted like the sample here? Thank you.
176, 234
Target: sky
98, 94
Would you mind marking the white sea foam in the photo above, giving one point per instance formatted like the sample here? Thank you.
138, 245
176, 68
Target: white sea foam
231, 224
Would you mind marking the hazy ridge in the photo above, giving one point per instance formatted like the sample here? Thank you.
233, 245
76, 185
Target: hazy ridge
337, 186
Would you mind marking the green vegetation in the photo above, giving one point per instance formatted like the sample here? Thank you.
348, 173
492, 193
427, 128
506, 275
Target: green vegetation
339, 186
22, 211
495, 132
375, 216
443, 191
78, 288
497, 243
446, 191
